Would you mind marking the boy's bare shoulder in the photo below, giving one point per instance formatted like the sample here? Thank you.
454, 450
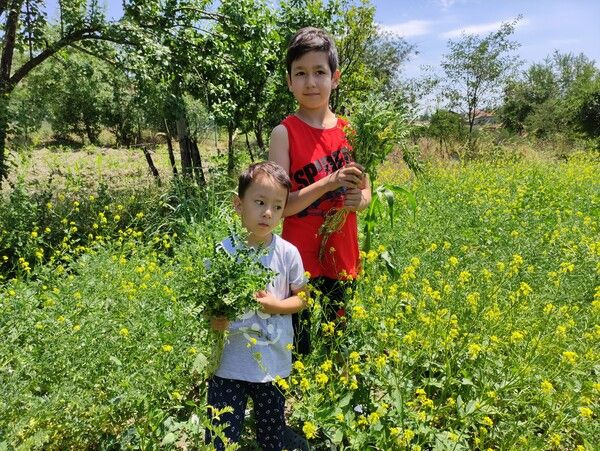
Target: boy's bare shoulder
280, 132
279, 146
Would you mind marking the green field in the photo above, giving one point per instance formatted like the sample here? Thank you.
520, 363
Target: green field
474, 325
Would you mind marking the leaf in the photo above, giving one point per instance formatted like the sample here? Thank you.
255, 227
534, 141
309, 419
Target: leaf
338, 436
387, 258
409, 196
114, 360
345, 400
168, 439
200, 364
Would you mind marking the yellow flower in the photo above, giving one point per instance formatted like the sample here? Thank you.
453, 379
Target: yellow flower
328, 328
525, 289
321, 378
298, 365
569, 357
546, 387
124, 332
374, 417
487, 421
304, 384
381, 361
359, 312
282, 383
464, 277
309, 429
474, 350
354, 356
453, 261
327, 365
585, 412
167, 348
517, 336
410, 337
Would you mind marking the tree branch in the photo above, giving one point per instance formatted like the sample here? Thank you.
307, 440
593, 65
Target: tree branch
78, 35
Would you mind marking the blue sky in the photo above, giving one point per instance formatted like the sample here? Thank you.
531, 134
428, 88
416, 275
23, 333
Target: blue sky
547, 25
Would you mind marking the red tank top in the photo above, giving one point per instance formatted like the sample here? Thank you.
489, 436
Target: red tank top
314, 154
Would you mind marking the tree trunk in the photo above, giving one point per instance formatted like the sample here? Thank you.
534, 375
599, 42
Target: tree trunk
197, 159
230, 162
91, 133
249, 148
185, 146
12, 11
170, 149
258, 129
153, 169
3, 129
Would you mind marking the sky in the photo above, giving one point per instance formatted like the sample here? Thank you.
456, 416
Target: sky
546, 25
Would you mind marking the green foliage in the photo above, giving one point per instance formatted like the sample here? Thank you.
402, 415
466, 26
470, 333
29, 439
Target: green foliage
85, 351
556, 96
484, 336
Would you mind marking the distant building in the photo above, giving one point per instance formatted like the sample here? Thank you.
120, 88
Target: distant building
483, 117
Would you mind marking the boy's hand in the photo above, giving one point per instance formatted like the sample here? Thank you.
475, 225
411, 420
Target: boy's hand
267, 301
350, 176
353, 199
219, 323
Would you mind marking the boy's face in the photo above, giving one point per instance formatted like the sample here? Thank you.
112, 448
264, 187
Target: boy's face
311, 80
261, 208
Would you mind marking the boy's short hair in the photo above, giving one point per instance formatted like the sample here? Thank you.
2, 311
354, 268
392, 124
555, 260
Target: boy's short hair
311, 39
268, 168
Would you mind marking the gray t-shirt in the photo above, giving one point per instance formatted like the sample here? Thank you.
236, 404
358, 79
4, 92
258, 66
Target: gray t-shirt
256, 349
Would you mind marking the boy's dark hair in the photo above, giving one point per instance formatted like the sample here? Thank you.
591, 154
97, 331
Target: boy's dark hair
268, 168
311, 39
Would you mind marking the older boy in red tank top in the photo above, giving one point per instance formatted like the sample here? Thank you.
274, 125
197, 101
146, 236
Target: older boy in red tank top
312, 146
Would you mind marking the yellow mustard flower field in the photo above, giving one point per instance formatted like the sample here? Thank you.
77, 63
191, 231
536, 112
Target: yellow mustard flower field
475, 323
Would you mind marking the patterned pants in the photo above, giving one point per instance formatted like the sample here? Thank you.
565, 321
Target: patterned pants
268, 410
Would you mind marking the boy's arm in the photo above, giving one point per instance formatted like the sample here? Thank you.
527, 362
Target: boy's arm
286, 306
349, 176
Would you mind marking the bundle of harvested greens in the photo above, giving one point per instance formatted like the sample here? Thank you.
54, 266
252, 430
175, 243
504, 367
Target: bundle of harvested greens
374, 129
221, 285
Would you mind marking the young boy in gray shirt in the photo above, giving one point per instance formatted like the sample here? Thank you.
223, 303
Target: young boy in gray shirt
258, 347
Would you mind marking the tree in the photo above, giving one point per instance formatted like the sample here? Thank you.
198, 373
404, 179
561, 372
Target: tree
151, 34
477, 68
25, 31
549, 97
445, 126
239, 59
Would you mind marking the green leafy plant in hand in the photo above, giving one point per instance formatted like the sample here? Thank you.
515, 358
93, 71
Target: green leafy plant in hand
225, 286
374, 130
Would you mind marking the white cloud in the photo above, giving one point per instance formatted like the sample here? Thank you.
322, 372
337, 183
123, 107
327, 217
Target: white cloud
447, 3
410, 28
479, 28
